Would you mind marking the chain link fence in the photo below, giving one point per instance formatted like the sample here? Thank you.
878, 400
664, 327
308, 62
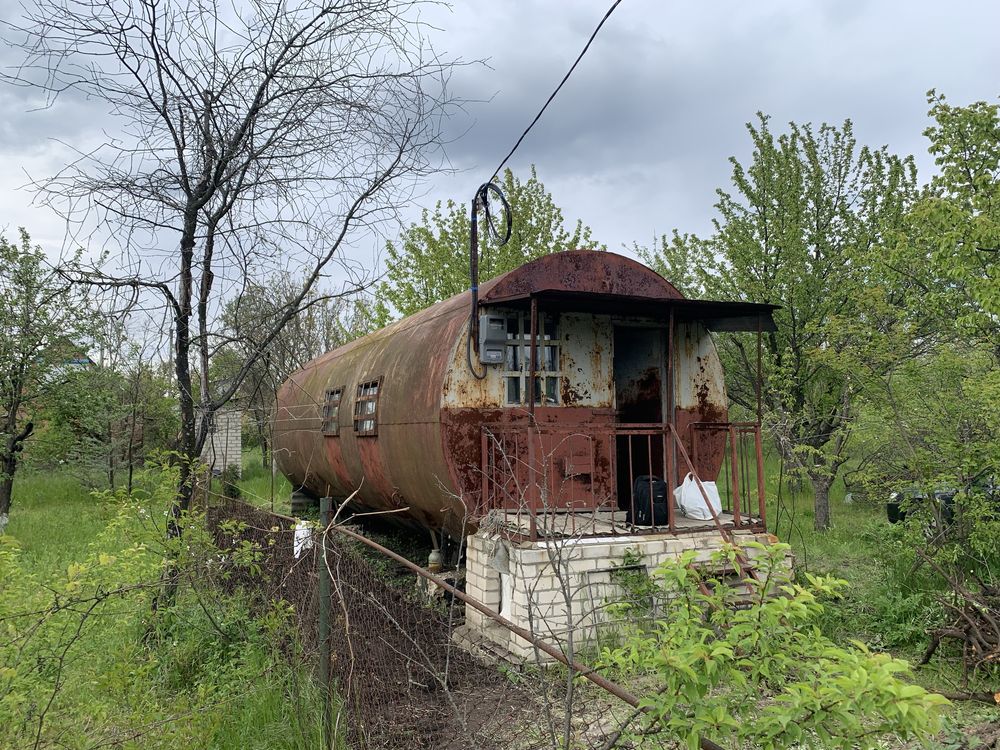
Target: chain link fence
397, 676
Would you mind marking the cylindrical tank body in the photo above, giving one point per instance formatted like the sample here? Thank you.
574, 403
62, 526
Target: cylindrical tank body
397, 416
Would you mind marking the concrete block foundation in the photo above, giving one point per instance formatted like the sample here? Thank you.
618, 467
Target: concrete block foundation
557, 586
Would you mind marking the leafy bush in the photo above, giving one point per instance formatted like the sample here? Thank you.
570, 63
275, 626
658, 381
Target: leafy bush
230, 482
760, 673
86, 661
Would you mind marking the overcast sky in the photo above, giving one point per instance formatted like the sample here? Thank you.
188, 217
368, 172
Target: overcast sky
638, 140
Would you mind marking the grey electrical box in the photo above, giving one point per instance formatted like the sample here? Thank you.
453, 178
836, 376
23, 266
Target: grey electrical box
492, 339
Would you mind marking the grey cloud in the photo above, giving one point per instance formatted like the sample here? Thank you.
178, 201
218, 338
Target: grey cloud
638, 140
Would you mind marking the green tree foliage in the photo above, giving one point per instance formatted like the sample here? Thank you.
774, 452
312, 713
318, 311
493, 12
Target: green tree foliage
43, 322
936, 420
956, 224
106, 420
430, 262
708, 664
803, 229
931, 427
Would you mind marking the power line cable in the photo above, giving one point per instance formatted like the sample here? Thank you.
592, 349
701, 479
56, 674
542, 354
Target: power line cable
481, 200
561, 83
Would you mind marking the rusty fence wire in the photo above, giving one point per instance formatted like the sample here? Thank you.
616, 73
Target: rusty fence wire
398, 678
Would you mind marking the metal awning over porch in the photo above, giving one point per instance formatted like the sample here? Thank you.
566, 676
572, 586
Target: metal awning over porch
715, 315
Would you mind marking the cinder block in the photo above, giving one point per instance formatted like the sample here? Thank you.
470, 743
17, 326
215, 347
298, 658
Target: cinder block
598, 551
474, 618
476, 593
673, 547
704, 555
544, 597
533, 556
523, 649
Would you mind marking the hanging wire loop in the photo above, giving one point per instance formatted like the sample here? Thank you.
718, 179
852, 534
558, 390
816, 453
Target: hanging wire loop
481, 201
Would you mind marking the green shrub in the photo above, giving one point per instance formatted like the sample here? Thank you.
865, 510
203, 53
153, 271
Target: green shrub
85, 660
230, 478
762, 674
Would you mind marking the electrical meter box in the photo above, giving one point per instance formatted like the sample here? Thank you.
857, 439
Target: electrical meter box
492, 339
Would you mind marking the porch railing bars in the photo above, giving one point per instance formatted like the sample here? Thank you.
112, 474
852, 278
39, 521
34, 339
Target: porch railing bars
543, 472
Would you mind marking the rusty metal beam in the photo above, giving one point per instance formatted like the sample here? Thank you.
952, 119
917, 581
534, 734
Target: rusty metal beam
532, 359
733, 458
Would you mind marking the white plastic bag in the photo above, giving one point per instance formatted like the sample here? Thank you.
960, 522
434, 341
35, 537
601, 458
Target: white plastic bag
692, 502
302, 540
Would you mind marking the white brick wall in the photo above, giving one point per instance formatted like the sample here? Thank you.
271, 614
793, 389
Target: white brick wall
224, 444
584, 567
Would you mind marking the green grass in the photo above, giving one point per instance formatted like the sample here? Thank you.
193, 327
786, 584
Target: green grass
54, 517
130, 668
259, 487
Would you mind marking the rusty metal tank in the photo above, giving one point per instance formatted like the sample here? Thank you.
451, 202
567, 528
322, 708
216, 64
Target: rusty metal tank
399, 419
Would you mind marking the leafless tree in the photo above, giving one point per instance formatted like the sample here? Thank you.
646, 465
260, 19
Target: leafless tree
325, 321
253, 137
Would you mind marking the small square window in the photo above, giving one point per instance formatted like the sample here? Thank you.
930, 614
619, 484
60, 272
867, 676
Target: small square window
551, 357
548, 326
550, 390
331, 411
517, 361
366, 408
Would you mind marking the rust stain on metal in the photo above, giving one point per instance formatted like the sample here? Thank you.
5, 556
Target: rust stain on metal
428, 453
583, 272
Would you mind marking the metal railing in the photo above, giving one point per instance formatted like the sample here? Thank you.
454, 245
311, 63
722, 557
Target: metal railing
583, 479
742, 469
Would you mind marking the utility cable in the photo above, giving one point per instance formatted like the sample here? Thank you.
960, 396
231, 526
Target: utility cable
561, 83
481, 198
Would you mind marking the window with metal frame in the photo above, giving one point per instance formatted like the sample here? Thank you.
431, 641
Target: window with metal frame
366, 407
518, 354
331, 411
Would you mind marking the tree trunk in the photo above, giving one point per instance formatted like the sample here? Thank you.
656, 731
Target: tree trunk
7, 466
265, 450
821, 500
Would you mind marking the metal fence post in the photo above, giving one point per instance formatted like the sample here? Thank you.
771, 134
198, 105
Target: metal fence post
325, 585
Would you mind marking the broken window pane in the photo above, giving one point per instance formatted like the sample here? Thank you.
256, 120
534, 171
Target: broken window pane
550, 390
514, 390
513, 358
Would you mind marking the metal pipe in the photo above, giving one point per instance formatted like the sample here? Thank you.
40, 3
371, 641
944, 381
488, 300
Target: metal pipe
668, 450
631, 479
484, 501
474, 273
532, 487
733, 457
649, 479
584, 671
532, 363
671, 395
760, 374
325, 517
761, 504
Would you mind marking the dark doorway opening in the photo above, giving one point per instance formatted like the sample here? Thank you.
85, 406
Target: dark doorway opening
639, 373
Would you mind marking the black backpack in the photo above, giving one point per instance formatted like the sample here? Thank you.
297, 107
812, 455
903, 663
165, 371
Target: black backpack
643, 488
